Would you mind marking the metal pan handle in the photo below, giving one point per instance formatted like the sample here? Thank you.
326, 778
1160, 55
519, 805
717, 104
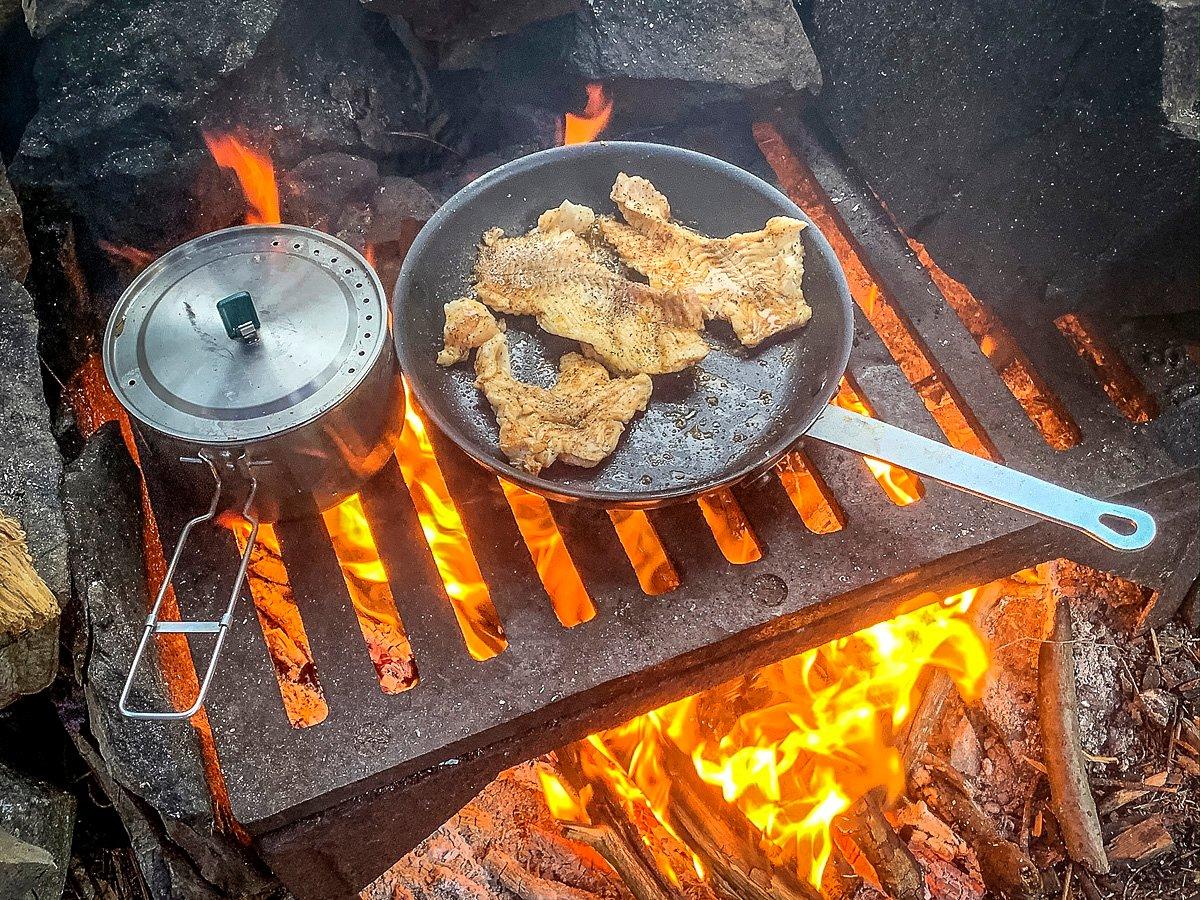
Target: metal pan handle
220, 627
1120, 527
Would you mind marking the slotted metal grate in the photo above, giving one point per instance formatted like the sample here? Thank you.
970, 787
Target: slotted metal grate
334, 804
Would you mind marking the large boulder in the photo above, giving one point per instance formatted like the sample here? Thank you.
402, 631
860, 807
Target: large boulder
14, 249
30, 472
741, 43
126, 90
36, 824
1025, 145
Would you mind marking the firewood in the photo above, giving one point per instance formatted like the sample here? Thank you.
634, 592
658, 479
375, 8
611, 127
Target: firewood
516, 878
1066, 769
1141, 842
840, 881
612, 834
25, 601
896, 868
1006, 870
726, 842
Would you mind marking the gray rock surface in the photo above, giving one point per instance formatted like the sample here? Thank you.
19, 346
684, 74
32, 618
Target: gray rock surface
743, 43
155, 769
36, 824
14, 249
30, 472
444, 21
43, 16
126, 90
1024, 144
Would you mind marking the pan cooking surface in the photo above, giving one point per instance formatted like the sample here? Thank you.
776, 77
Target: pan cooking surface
734, 413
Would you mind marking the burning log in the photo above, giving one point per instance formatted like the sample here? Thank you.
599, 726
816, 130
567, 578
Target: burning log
726, 842
840, 881
25, 601
1066, 767
896, 868
612, 834
1005, 868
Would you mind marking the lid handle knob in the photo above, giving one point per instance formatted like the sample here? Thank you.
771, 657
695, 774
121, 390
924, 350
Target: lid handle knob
239, 317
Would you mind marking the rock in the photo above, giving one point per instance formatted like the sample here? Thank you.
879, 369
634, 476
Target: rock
36, 824
1181, 65
444, 21
10, 11
14, 249
127, 89
103, 506
156, 769
744, 43
43, 16
30, 472
1023, 145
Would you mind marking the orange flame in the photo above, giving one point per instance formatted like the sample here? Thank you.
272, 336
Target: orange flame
901, 486
254, 171
367, 583
570, 599
730, 527
817, 735
447, 538
584, 127
641, 543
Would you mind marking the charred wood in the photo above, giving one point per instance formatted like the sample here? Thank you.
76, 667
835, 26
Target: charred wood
896, 868
1066, 768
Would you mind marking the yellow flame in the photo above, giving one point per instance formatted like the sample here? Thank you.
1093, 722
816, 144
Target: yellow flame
817, 734
255, 172
447, 538
901, 486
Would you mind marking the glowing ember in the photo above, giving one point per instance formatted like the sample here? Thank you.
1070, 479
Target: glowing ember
570, 599
133, 257
901, 486
646, 554
815, 736
730, 527
810, 495
447, 538
255, 172
367, 583
1119, 382
582, 128
282, 627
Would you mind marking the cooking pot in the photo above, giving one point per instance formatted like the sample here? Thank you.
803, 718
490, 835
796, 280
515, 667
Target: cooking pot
256, 358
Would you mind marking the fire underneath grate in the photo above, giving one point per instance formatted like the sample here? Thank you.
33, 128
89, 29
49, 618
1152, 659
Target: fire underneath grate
412, 670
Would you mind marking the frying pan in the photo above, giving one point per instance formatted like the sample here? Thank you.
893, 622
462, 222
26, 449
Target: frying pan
731, 416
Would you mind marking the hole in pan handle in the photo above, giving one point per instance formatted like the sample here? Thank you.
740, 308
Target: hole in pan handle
220, 627
1117, 526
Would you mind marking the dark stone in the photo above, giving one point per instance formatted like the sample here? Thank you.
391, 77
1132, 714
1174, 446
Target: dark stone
127, 89
14, 249
103, 506
155, 769
744, 43
1024, 145
30, 471
1181, 65
456, 20
36, 823
43, 16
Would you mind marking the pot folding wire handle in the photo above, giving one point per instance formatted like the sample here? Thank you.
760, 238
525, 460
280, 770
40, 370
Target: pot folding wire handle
220, 627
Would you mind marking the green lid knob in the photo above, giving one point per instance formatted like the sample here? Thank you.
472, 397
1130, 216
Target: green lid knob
239, 317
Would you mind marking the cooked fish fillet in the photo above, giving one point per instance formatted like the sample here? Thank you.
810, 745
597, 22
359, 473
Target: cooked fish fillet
567, 216
469, 324
554, 275
752, 280
579, 420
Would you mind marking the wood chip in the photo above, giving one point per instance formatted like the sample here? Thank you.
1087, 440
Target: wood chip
1146, 840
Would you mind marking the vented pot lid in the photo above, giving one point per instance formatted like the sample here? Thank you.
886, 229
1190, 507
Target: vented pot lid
245, 333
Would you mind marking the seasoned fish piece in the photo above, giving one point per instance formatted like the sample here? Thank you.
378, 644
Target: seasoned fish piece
567, 216
555, 276
469, 324
579, 420
752, 280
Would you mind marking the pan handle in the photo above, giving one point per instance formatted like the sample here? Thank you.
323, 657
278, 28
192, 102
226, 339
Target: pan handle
1119, 527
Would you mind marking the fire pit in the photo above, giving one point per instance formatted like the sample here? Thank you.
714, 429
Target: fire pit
393, 654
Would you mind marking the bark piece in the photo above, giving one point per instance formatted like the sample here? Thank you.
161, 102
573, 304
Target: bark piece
1066, 768
896, 868
1141, 842
1006, 870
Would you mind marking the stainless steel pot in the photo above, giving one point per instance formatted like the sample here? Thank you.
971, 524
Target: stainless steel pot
259, 355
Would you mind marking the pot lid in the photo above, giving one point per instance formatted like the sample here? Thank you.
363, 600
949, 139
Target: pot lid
245, 333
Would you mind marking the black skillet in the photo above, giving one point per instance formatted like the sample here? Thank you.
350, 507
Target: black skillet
731, 416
